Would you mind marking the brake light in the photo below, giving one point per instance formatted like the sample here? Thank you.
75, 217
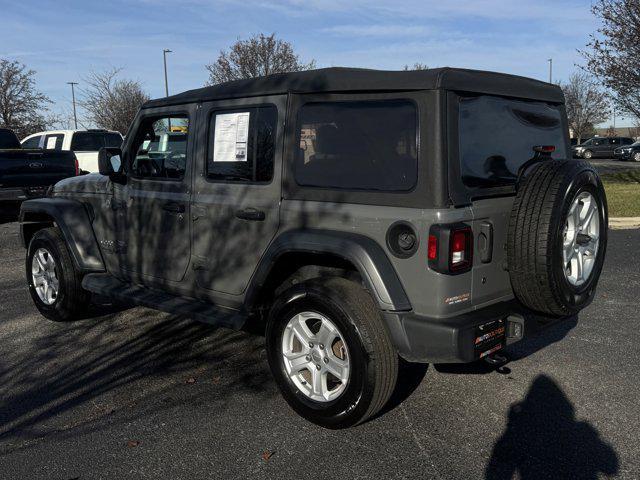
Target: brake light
432, 253
77, 167
450, 248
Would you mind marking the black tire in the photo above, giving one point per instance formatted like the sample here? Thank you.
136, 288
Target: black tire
636, 157
587, 154
72, 300
535, 237
372, 356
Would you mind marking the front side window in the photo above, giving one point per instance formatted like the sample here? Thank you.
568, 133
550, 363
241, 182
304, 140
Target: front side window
497, 136
242, 144
358, 145
160, 148
33, 142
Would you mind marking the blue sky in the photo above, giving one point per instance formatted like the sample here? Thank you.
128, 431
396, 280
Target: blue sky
65, 40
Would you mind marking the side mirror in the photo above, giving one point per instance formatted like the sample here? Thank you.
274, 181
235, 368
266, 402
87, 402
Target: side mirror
110, 164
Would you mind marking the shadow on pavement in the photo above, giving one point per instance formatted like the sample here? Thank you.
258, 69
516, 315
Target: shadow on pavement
77, 370
544, 440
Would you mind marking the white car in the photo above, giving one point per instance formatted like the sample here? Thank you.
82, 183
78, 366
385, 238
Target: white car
84, 143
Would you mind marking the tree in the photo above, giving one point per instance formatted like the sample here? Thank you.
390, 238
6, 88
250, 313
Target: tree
586, 104
416, 66
111, 103
613, 54
23, 109
258, 56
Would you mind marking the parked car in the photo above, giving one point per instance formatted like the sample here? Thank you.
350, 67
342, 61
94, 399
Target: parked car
630, 152
84, 143
28, 174
336, 208
600, 147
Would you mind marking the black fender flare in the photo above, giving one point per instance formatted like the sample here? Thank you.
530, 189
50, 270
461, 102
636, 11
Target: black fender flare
73, 220
364, 253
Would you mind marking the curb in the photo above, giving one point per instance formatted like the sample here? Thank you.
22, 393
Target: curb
623, 223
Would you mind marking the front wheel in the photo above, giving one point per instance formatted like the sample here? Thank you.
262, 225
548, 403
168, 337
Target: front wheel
636, 157
54, 283
330, 352
587, 155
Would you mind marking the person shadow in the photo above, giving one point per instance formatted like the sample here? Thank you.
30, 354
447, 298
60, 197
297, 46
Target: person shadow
544, 440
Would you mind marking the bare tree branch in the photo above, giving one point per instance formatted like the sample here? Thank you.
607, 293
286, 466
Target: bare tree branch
613, 54
586, 104
111, 103
258, 56
22, 108
416, 66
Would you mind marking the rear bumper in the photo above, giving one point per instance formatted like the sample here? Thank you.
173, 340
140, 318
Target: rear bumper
461, 339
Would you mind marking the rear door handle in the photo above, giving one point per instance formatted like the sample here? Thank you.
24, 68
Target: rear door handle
251, 214
174, 207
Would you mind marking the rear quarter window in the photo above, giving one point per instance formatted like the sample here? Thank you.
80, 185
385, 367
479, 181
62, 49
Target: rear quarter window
497, 135
358, 145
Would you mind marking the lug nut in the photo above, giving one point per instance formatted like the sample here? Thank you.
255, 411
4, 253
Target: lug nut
310, 345
321, 346
318, 367
326, 359
308, 358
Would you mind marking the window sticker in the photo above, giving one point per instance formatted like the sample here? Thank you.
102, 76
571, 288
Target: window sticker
51, 143
231, 136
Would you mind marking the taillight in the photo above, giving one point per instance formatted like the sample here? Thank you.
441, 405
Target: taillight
450, 248
77, 167
432, 253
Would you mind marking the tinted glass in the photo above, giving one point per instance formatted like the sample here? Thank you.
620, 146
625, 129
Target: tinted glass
33, 142
242, 144
94, 141
161, 148
112, 140
53, 142
497, 136
368, 145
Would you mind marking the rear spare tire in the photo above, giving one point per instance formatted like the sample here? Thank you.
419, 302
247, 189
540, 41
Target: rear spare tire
557, 237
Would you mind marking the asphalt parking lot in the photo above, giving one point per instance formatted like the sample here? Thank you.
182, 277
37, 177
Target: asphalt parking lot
134, 393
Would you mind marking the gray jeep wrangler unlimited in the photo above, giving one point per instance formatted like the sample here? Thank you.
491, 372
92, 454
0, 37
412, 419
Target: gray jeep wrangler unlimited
361, 215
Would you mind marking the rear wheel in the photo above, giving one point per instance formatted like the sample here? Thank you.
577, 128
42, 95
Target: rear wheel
54, 283
330, 352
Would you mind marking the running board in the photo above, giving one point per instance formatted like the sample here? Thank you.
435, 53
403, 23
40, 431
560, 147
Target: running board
109, 286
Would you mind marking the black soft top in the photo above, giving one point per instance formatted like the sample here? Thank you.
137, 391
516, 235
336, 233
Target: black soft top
338, 79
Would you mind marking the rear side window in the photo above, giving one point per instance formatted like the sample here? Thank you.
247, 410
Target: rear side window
53, 141
242, 144
359, 145
497, 135
94, 141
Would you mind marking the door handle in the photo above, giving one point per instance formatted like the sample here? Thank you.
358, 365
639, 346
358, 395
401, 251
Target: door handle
251, 214
174, 207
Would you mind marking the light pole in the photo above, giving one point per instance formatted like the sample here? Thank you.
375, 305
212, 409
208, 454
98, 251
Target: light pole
73, 97
550, 60
166, 82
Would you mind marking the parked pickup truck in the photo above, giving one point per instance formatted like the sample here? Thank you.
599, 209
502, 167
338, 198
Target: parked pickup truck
84, 143
28, 173
358, 216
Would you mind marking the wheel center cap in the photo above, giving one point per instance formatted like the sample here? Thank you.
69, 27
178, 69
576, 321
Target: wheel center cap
316, 356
